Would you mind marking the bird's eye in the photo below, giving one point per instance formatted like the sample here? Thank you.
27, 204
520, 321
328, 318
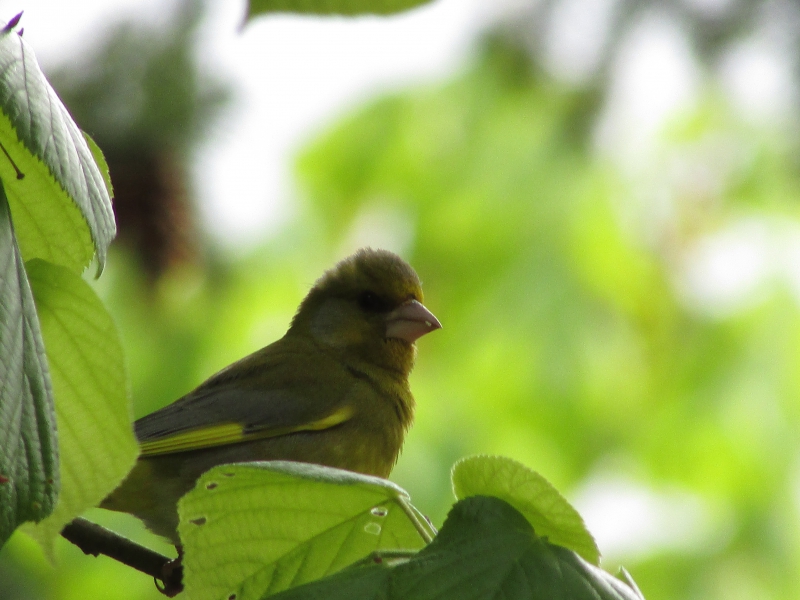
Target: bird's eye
370, 301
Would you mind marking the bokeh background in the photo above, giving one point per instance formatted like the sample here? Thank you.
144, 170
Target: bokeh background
602, 199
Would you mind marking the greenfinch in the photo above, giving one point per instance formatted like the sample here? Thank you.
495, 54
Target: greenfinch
332, 391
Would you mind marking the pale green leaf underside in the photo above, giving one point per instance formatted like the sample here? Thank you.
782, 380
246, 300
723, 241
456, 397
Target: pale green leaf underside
28, 442
87, 368
531, 494
61, 206
332, 7
255, 528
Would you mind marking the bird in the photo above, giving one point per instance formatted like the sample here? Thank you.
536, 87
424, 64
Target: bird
333, 391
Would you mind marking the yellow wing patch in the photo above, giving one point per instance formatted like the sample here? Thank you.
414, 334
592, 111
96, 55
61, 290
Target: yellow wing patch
233, 433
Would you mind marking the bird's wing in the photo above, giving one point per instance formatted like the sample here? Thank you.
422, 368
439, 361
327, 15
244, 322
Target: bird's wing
282, 389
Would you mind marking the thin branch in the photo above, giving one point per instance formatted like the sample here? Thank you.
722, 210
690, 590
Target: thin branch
94, 539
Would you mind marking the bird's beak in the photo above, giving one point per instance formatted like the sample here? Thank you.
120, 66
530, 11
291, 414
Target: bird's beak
410, 321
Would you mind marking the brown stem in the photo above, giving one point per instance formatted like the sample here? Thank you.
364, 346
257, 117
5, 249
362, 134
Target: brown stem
20, 174
94, 539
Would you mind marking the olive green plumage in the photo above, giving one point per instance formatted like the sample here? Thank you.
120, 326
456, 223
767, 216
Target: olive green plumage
333, 391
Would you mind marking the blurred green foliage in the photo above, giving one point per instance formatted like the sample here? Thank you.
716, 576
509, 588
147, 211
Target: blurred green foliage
569, 341
142, 86
256, 8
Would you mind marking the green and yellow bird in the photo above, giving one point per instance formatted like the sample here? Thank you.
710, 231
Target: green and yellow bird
333, 391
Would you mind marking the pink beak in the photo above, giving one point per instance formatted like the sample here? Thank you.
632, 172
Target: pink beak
410, 321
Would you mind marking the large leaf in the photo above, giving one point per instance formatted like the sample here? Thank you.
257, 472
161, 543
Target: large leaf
531, 494
28, 443
255, 528
485, 551
59, 201
332, 7
87, 367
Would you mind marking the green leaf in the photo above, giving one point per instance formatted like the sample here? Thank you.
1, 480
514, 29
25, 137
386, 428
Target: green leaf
332, 7
28, 442
486, 550
59, 202
93, 411
531, 494
100, 161
360, 582
258, 528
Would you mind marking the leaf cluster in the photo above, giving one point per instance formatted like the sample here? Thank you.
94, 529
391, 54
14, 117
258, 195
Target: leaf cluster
289, 530
56, 338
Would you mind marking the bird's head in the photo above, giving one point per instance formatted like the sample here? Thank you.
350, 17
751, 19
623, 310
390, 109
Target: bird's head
369, 308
